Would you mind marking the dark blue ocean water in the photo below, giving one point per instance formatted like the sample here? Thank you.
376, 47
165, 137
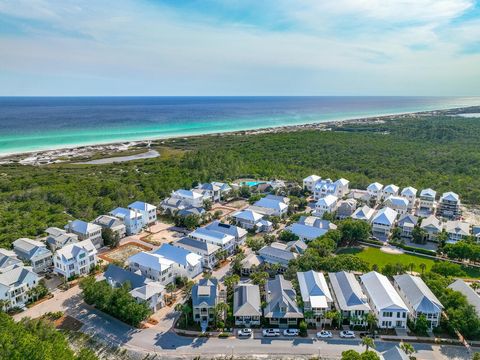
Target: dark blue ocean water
36, 123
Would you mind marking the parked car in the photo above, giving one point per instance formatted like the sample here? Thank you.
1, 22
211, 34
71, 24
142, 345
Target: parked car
271, 332
324, 334
347, 334
291, 332
245, 332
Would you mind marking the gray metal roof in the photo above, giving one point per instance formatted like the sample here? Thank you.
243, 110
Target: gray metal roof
472, 297
314, 289
348, 292
381, 292
418, 294
281, 299
274, 254
395, 353
246, 300
228, 229
189, 244
17, 276
119, 276
407, 218
205, 292
26, 248
8, 261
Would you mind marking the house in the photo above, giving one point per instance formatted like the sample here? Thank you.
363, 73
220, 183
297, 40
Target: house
15, 285
419, 299
210, 190
457, 230
476, 232
364, 213
142, 288
76, 259
225, 188
35, 253
310, 181
406, 224
342, 187
383, 221
316, 222
297, 246
250, 262
148, 211
185, 263
281, 309
114, 224
237, 232
206, 250
171, 205
427, 201
133, 220
86, 231
325, 187
58, 238
8, 261
410, 193
224, 241
247, 309
345, 208
316, 296
270, 206
397, 203
390, 190
190, 210
374, 190
472, 297
193, 198
349, 297
449, 206
306, 232
394, 353
277, 253
251, 220
327, 204
204, 301
432, 226
387, 305
153, 266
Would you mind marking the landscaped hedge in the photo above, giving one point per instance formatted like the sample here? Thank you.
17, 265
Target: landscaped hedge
414, 249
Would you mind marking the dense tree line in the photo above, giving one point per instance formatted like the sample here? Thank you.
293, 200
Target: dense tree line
437, 152
35, 340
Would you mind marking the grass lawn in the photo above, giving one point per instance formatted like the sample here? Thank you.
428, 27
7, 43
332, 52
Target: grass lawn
375, 256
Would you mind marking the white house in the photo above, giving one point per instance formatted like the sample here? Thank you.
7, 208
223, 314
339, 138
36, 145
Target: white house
270, 206
211, 190
252, 220
457, 230
374, 190
282, 308
397, 203
345, 208
8, 261
432, 226
35, 253
15, 285
327, 204
387, 305
342, 187
86, 231
419, 299
75, 259
132, 219
224, 241
236, 231
114, 224
349, 297
364, 213
204, 300
153, 266
449, 206
316, 295
247, 308
390, 190
184, 263
406, 224
277, 253
427, 200
383, 221
325, 187
206, 250
310, 181
58, 238
190, 197
148, 211
308, 230
410, 193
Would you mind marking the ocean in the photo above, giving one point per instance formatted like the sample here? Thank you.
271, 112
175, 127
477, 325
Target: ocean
41, 123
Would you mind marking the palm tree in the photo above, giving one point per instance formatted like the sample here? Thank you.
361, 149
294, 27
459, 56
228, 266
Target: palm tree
411, 266
423, 267
368, 343
371, 320
407, 348
171, 288
221, 308
186, 309
4, 304
308, 314
475, 286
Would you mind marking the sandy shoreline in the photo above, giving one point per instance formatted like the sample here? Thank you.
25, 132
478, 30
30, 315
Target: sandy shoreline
80, 152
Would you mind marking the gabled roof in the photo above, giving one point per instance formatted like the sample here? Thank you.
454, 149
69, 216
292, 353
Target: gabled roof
375, 186
342, 182
178, 255
363, 213
397, 201
395, 353
123, 213
72, 250
191, 210
418, 294
26, 248
211, 235
280, 297
348, 292
450, 196
82, 227
54, 231
8, 262
271, 204
208, 187
142, 206
252, 259
431, 221
205, 291
246, 300
407, 219
17, 276
248, 215
118, 276
391, 189
152, 261
428, 192
189, 243
108, 221
305, 231
381, 292
409, 191
187, 194
148, 290
314, 289
385, 216
312, 178
458, 227
270, 252
222, 186
315, 221
472, 297
298, 245
228, 229
327, 201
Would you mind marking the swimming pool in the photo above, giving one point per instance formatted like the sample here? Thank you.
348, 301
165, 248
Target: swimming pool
252, 183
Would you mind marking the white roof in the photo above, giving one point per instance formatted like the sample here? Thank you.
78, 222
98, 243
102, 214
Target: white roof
248, 215
83, 227
375, 186
212, 235
142, 206
178, 255
313, 178
363, 213
418, 294
70, 251
450, 196
391, 189
306, 231
148, 290
397, 201
123, 213
327, 201
432, 220
342, 181
271, 204
428, 192
187, 194
152, 261
381, 292
385, 216
409, 191
314, 289
457, 227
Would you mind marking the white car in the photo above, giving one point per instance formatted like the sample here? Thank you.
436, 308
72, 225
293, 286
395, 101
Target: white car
291, 332
347, 334
324, 334
271, 332
245, 332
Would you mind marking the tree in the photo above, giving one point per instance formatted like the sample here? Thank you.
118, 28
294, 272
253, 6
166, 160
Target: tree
244, 192
185, 309
259, 278
303, 328
110, 238
230, 281
371, 320
221, 311
369, 355
411, 266
221, 255
419, 235
187, 288
407, 348
255, 243
350, 355
207, 204
421, 325
368, 343
287, 235
446, 268
354, 231
423, 267
171, 287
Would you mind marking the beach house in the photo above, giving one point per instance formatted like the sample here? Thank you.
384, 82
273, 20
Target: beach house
364, 213
184, 263
247, 309
206, 250
15, 286
58, 238
449, 206
76, 259
432, 226
457, 230
390, 190
133, 220
8, 261
237, 232
410, 193
277, 253
270, 206
383, 221
374, 190
86, 231
310, 228
34, 253
407, 223
252, 220
153, 266
224, 241
325, 187
148, 211
345, 208
316, 296
114, 224
310, 181
472, 296
397, 203
327, 204
281, 305
204, 300
427, 201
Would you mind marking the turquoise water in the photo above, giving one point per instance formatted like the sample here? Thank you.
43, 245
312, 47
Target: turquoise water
39, 123
253, 183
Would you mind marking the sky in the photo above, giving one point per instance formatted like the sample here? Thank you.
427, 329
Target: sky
239, 47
